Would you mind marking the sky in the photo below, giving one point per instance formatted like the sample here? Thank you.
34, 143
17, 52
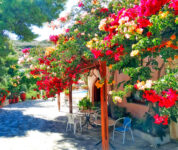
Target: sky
44, 32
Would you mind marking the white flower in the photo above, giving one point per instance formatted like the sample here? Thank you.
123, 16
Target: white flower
148, 84
118, 99
134, 53
31, 67
21, 60
102, 24
127, 36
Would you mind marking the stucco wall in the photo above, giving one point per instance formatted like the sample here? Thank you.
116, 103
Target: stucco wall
137, 110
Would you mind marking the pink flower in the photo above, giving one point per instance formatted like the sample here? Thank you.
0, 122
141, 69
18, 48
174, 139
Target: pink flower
54, 38
104, 10
80, 4
67, 30
26, 50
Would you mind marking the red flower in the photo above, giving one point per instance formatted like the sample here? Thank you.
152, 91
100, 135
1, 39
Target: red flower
168, 99
143, 22
161, 119
104, 10
150, 95
148, 34
96, 53
109, 52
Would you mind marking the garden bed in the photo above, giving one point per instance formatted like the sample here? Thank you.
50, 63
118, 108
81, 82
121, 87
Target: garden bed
154, 140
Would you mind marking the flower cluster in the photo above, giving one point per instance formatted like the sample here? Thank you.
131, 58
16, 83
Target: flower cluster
143, 85
161, 119
166, 100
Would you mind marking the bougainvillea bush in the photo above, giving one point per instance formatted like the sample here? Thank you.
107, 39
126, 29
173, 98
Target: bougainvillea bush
129, 35
3, 95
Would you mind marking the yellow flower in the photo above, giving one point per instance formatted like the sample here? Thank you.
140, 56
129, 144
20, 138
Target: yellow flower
164, 15
89, 44
134, 53
176, 20
13, 66
14, 84
139, 30
49, 50
173, 37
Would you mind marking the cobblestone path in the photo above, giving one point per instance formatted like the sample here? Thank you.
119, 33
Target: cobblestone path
37, 125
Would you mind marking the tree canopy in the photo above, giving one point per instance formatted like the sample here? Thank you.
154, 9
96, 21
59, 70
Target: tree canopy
17, 16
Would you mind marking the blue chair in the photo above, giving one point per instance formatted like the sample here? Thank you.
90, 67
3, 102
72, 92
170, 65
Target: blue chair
123, 129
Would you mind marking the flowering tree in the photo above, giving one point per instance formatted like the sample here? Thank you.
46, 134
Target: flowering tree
129, 36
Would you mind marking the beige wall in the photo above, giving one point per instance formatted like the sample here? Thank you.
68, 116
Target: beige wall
136, 110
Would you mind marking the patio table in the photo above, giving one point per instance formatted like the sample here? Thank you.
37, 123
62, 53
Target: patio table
111, 123
87, 114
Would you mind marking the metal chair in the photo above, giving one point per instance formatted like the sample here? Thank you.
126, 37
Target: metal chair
123, 129
73, 120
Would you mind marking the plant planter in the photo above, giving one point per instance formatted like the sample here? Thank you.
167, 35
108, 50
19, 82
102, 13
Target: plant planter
16, 99
38, 96
23, 96
66, 96
154, 140
174, 130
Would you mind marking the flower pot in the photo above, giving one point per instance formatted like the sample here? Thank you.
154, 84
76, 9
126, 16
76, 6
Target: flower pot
13, 100
23, 96
17, 99
38, 96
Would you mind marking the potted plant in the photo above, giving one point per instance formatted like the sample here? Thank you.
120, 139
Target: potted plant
85, 104
3, 95
23, 96
66, 93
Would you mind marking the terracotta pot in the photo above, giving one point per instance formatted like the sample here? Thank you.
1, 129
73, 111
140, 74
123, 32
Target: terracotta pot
10, 101
38, 96
23, 96
17, 99
13, 100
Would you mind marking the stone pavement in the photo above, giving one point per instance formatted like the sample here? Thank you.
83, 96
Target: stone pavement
37, 125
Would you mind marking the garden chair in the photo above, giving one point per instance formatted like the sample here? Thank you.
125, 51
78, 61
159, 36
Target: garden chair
124, 128
73, 120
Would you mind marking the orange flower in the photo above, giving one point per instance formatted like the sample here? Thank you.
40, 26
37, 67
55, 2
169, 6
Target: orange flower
139, 30
173, 37
98, 84
110, 66
168, 43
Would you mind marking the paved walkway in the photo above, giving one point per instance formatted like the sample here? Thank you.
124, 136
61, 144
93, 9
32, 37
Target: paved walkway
37, 125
